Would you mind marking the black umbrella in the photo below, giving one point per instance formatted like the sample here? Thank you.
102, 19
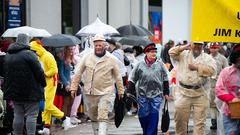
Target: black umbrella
119, 108
133, 30
60, 40
135, 41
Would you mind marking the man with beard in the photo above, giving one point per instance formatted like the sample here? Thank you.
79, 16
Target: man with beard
102, 71
228, 90
194, 67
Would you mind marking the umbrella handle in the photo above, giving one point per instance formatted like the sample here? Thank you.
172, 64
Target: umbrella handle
133, 98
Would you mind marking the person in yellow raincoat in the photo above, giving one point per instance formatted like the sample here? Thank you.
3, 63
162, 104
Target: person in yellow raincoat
51, 74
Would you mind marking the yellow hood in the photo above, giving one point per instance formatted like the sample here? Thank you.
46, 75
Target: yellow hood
37, 47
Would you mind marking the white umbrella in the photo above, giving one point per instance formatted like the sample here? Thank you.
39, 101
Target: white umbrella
33, 32
97, 27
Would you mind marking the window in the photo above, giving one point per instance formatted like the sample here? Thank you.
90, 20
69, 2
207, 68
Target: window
12, 14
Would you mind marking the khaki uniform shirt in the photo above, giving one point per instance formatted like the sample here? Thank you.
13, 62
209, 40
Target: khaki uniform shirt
206, 68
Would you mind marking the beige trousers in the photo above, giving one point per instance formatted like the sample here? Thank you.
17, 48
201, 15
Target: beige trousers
184, 106
99, 106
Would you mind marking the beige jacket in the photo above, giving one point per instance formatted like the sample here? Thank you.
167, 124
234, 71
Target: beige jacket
206, 68
100, 75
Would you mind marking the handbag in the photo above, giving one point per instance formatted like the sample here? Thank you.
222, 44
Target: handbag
165, 118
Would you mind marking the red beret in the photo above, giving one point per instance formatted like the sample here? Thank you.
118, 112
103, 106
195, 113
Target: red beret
149, 47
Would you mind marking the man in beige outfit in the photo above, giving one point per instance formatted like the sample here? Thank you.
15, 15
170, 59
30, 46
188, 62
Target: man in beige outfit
101, 72
194, 67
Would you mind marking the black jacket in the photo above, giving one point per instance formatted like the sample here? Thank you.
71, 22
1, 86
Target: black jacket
1, 64
24, 78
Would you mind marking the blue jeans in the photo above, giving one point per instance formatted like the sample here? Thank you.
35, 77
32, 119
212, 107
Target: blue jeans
22, 110
149, 114
231, 126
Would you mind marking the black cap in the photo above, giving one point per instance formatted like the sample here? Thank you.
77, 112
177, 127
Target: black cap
111, 41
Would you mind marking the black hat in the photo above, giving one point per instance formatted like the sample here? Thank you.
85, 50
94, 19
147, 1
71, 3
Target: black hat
149, 47
235, 53
128, 50
111, 41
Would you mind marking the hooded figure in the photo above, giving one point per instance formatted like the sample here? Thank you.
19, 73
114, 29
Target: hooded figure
48, 63
23, 84
51, 72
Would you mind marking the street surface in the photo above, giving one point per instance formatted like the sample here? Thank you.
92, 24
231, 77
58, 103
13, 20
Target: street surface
130, 126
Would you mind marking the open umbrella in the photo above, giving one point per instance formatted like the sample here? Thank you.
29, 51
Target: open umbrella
60, 40
32, 32
135, 41
133, 30
97, 27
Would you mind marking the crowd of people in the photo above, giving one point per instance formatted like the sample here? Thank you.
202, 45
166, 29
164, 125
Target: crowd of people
47, 85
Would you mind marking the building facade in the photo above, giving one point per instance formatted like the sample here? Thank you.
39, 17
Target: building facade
69, 16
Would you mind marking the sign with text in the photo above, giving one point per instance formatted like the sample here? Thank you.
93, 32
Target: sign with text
216, 20
14, 16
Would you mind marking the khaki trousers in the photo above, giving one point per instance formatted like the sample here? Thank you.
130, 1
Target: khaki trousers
184, 106
99, 106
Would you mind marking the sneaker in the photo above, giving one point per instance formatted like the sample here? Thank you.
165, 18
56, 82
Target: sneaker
57, 122
213, 127
134, 110
214, 124
74, 120
45, 131
129, 113
67, 124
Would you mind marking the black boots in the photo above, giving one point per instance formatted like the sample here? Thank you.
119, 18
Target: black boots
214, 124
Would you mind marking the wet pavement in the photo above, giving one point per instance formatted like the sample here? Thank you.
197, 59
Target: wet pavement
130, 126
